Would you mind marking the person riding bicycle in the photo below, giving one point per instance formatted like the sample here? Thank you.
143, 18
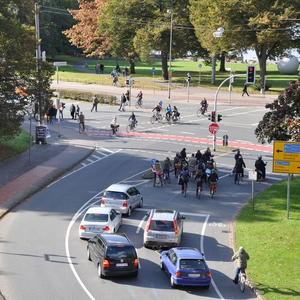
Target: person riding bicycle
168, 111
203, 105
114, 124
242, 256
239, 168
213, 177
158, 171
133, 120
192, 160
199, 180
175, 111
81, 120
260, 165
157, 110
184, 178
177, 163
140, 96
207, 154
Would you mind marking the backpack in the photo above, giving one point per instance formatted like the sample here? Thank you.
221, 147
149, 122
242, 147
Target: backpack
185, 177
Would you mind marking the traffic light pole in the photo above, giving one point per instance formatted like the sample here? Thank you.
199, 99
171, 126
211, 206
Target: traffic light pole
215, 105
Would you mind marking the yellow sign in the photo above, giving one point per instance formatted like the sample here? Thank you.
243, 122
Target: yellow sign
286, 157
170, 73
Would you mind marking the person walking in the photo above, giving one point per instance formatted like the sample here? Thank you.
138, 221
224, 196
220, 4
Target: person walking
242, 256
77, 110
51, 114
72, 111
101, 68
122, 103
115, 80
245, 90
95, 103
97, 67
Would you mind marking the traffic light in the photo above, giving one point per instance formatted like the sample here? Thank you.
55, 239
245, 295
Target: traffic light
127, 82
188, 77
219, 118
212, 117
251, 74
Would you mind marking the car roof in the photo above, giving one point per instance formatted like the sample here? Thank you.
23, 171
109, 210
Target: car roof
188, 253
163, 214
115, 239
98, 210
119, 187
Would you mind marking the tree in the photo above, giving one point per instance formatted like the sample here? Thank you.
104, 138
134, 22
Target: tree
268, 27
282, 122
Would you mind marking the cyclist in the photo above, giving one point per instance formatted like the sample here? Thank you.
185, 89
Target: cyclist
207, 154
175, 111
242, 256
261, 166
166, 168
213, 178
199, 180
81, 120
184, 178
158, 171
239, 167
203, 104
140, 96
157, 110
114, 124
168, 111
193, 160
198, 155
176, 162
133, 120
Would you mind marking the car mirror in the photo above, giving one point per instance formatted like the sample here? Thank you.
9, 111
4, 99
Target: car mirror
202, 254
183, 217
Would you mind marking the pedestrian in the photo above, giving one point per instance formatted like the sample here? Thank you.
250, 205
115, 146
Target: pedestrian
123, 101
115, 80
51, 114
101, 68
97, 67
61, 110
118, 70
126, 71
166, 168
245, 90
72, 111
127, 94
77, 110
153, 170
242, 256
95, 103
158, 170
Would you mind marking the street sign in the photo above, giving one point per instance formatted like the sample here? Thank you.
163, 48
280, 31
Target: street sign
60, 63
200, 66
286, 157
213, 128
252, 175
171, 70
153, 70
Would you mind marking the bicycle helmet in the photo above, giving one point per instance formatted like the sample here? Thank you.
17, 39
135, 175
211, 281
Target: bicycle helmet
259, 156
160, 103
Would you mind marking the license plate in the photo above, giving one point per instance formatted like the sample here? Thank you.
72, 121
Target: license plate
94, 228
194, 275
122, 265
161, 236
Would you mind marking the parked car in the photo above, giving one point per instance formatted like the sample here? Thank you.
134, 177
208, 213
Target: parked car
99, 219
113, 254
122, 197
185, 266
164, 229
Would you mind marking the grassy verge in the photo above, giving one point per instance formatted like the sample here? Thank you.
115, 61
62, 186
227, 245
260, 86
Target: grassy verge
144, 72
272, 241
14, 147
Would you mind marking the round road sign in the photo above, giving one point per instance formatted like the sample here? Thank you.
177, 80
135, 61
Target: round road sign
213, 128
153, 70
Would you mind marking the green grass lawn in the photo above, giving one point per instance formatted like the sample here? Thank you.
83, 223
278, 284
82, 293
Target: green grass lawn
144, 71
272, 241
14, 147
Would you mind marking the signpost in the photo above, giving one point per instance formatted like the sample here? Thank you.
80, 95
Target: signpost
286, 159
213, 128
153, 70
59, 63
200, 66
253, 177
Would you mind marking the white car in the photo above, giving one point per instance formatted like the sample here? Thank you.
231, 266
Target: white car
99, 220
122, 197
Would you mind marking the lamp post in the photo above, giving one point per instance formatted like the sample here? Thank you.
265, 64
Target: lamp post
216, 34
170, 11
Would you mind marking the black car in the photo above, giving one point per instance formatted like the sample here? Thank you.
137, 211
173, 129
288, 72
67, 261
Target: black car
113, 254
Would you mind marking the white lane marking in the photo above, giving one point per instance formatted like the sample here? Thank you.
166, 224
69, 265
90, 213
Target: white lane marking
187, 132
97, 157
107, 150
83, 164
141, 223
101, 153
91, 161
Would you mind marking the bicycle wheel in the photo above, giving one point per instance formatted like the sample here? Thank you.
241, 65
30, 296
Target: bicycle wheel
128, 128
241, 282
239, 178
184, 192
111, 133
159, 118
199, 193
137, 105
141, 103
152, 119
199, 112
164, 120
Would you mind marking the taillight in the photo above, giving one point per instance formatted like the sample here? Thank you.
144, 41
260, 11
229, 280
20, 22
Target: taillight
125, 204
102, 201
105, 228
175, 226
148, 225
208, 275
136, 262
177, 274
105, 263
82, 227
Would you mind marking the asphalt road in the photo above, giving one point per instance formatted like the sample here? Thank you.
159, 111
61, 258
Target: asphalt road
42, 256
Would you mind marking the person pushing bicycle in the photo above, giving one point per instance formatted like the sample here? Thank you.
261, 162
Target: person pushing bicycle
242, 256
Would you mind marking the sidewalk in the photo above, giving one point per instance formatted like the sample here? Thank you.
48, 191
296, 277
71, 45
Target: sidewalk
19, 179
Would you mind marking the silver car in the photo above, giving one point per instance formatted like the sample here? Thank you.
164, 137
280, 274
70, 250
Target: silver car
164, 229
99, 220
122, 197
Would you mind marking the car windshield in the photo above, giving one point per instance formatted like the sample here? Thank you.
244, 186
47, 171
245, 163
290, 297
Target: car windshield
96, 217
115, 195
119, 252
162, 225
192, 264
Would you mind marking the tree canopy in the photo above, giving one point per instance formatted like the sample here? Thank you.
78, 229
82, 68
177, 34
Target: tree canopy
282, 122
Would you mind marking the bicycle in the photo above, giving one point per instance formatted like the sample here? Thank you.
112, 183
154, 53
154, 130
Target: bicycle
198, 194
242, 279
175, 118
239, 178
131, 127
202, 111
139, 103
177, 169
156, 118
157, 180
81, 130
213, 187
184, 188
192, 171
114, 131
166, 119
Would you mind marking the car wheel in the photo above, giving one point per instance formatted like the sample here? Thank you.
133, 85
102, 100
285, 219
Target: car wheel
161, 265
88, 254
100, 271
173, 284
206, 287
141, 203
129, 212
146, 246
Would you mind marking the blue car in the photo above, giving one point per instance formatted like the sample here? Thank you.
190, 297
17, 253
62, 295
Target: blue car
185, 266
